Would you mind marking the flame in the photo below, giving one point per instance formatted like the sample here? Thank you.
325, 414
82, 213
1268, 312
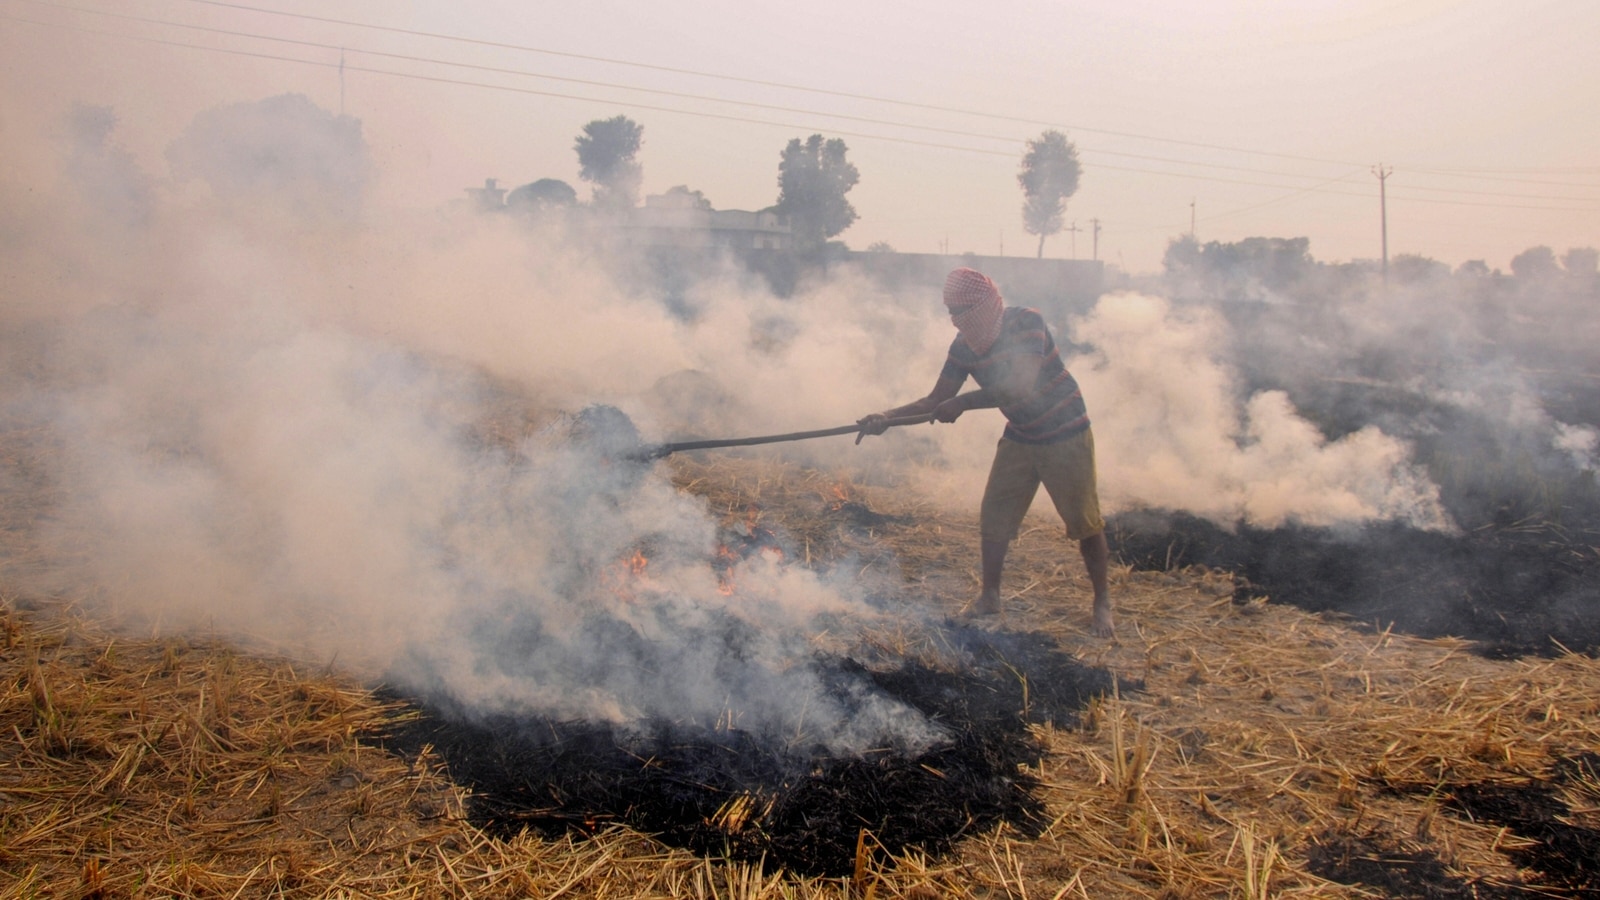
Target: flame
629, 579
723, 562
627, 576
840, 494
729, 559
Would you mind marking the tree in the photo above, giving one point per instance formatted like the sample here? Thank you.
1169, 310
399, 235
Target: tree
1581, 262
106, 174
1183, 255
1413, 268
813, 178
1534, 263
695, 199
283, 150
1241, 268
541, 195
605, 159
1049, 175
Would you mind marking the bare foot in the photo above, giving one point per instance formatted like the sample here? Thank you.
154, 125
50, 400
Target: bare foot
1103, 625
987, 604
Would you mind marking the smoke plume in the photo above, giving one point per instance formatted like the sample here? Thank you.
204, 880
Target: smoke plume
254, 405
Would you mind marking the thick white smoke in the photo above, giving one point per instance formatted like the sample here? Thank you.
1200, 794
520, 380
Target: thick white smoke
1166, 408
275, 420
1580, 443
265, 415
230, 463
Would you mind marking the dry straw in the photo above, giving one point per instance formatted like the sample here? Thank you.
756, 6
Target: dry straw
166, 767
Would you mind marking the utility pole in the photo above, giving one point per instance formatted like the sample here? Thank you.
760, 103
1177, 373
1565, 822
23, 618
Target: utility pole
1074, 230
341, 82
1191, 220
1383, 174
1096, 239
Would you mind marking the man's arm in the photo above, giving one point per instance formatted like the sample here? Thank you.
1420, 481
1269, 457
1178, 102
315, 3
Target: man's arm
877, 423
1019, 380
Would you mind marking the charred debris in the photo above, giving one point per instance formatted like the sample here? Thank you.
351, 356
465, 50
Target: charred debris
1520, 574
721, 790
758, 798
1530, 588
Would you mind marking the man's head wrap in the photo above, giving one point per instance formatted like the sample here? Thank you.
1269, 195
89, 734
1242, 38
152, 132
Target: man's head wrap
975, 307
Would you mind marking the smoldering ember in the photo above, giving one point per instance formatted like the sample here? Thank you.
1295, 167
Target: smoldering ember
347, 554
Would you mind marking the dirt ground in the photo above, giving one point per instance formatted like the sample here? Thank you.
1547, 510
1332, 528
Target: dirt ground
1222, 746
1514, 588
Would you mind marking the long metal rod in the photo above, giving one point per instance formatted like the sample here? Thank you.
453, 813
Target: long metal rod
660, 450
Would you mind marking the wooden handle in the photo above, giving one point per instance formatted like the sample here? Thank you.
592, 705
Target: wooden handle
661, 450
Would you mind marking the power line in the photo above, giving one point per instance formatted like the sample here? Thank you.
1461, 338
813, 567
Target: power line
1290, 196
755, 81
849, 94
1461, 173
613, 85
1319, 188
1009, 139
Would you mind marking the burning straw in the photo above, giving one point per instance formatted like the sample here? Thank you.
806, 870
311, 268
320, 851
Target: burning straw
1249, 749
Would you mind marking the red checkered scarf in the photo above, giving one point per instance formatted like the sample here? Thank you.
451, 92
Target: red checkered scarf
975, 307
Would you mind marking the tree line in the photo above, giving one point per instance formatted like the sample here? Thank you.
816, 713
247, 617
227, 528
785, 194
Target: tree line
814, 177
1255, 267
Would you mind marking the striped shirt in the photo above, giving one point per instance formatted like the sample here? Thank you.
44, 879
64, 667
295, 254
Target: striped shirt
1055, 411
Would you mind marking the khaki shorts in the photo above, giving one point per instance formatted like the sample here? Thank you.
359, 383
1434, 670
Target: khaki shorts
1066, 470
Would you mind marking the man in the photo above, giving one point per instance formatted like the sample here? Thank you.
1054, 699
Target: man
1010, 353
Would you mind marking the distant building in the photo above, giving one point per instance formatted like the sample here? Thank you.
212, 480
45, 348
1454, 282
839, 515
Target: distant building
683, 219
682, 235
1058, 288
488, 197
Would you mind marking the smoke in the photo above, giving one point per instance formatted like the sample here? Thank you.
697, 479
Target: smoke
258, 414
263, 408
1487, 378
1579, 443
1179, 437
280, 152
102, 172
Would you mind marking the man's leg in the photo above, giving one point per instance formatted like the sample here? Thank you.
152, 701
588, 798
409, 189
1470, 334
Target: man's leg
994, 561
1096, 557
1006, 497
1069, 476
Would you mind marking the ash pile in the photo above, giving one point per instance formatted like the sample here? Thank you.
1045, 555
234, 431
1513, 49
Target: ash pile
1518, 575
695, 682
1514, 589
761, 797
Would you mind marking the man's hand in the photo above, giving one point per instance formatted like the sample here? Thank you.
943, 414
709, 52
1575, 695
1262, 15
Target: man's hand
950, 410
872, 423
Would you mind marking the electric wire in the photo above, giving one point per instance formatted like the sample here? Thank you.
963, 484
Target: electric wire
1319, 188
795, 87
501, 70
754, 81
1111, 228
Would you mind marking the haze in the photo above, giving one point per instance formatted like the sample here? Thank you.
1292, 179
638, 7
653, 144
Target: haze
1236, 118
252, 350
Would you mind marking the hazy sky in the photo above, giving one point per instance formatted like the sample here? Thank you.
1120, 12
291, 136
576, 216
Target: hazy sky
1253, 117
